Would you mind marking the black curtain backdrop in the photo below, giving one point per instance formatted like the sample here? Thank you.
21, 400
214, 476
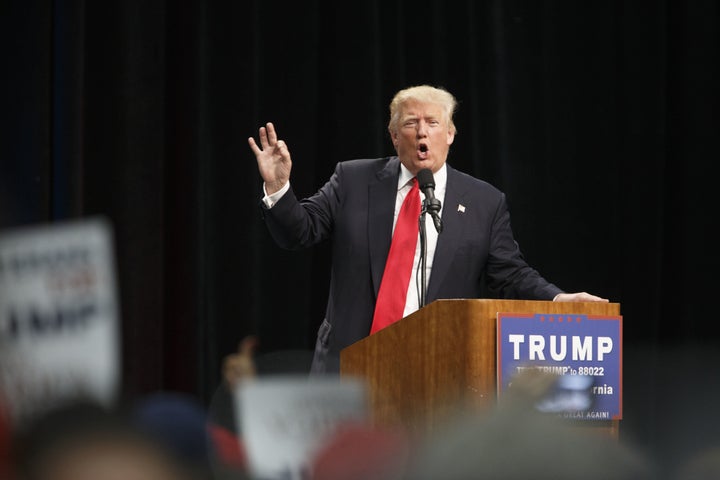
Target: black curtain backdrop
599, 119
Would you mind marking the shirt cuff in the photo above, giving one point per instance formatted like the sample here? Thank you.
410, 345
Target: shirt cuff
270, 200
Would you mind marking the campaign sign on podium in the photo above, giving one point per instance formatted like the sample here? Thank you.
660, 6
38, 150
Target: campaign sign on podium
583, 351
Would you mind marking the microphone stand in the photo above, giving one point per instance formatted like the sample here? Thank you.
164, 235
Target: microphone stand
423, 256
432, 206
429, 205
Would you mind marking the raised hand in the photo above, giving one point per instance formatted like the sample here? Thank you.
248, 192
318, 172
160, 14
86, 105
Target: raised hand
240, 366
273, 158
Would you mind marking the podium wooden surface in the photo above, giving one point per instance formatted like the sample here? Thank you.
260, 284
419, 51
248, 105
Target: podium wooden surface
441, 360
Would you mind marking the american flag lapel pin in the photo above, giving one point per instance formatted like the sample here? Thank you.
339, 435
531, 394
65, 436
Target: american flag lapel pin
461, 208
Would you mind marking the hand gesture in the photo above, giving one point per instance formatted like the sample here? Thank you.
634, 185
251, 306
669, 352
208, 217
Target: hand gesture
273, 159
240, 366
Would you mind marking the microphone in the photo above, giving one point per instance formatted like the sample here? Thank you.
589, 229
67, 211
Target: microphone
431, 204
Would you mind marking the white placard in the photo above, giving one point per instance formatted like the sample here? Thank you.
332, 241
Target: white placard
58, 315
283, 420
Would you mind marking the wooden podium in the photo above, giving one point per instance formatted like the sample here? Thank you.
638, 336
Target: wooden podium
442, 360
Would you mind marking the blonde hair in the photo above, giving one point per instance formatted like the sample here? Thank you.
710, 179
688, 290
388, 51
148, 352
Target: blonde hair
425, 94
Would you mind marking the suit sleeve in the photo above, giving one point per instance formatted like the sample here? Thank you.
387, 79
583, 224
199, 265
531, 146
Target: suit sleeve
296, 224
508, 274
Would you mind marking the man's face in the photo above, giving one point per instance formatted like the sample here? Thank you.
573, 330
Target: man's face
422, 138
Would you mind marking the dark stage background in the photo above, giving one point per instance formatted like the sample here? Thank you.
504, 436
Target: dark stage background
599, 119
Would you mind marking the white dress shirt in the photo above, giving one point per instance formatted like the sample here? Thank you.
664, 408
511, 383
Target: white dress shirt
412, 302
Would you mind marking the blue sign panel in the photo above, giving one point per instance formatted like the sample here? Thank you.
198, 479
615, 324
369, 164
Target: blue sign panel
584, 351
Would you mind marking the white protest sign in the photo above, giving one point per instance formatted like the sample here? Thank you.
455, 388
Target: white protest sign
283, 420
58, 315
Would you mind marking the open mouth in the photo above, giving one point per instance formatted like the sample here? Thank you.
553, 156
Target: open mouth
422, 151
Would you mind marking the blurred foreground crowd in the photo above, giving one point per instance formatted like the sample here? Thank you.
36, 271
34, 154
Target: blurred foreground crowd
172, 436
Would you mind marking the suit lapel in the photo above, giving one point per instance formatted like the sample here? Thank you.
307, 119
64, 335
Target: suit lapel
381, 201
453, 229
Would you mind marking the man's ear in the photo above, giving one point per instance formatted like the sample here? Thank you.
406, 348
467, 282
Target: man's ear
393, 137
451, 137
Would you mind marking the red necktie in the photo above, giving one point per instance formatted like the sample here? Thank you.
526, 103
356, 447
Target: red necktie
396, 278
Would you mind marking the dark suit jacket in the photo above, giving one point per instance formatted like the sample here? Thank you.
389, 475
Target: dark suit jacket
355, 209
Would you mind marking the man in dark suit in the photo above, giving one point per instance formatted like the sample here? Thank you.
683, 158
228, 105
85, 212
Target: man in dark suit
357, 209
